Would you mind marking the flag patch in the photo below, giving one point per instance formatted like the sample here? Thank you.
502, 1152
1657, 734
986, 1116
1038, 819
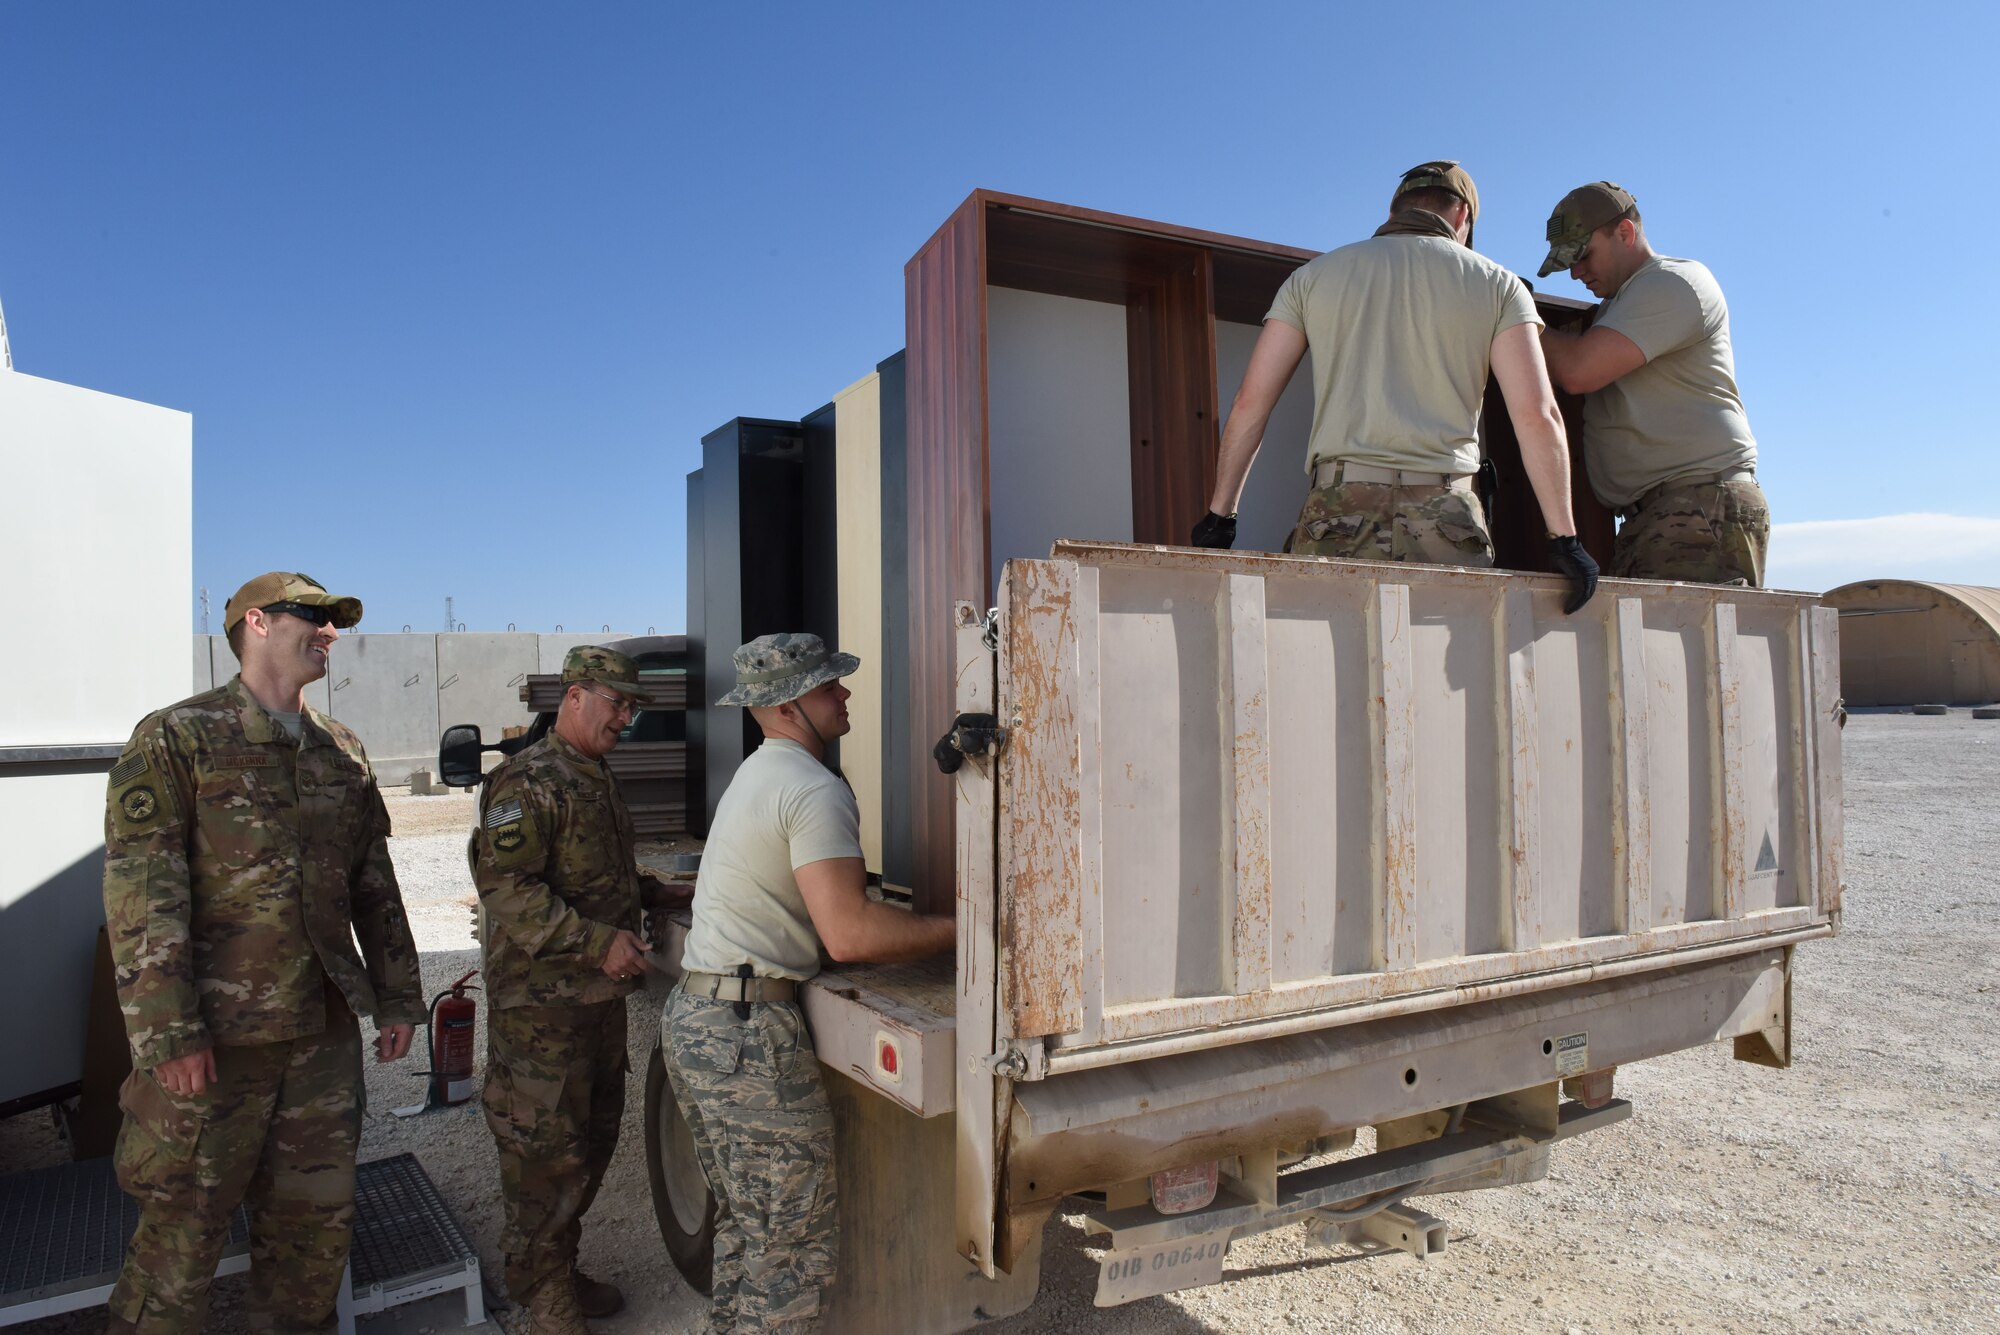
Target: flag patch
506, 811
130, 768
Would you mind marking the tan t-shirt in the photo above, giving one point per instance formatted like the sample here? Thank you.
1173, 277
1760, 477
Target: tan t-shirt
1678, 415
782, 811
1401, 330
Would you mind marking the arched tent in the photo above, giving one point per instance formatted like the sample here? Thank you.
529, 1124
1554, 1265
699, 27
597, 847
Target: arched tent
1906, 642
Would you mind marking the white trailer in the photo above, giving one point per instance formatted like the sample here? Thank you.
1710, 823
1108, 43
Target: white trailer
1258, 851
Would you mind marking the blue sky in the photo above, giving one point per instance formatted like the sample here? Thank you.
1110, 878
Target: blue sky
454, 290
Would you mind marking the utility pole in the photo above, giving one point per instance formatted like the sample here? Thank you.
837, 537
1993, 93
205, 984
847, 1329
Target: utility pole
450, 621
204, 609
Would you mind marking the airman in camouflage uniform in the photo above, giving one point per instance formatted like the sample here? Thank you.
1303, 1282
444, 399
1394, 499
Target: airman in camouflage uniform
1404, 329
782, 874
561, 898
1665, 434
245, 851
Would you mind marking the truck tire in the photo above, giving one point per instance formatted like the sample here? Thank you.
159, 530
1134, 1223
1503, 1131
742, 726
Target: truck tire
681, 1200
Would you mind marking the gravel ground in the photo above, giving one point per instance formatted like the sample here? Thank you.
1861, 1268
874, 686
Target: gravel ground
1858, 1191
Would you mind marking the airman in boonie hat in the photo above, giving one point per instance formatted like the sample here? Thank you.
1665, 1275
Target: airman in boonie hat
1578, 215
287, 586
608, 667
777, 669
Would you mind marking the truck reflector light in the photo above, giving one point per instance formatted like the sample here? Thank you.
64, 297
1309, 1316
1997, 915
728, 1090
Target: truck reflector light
1178, 1190
888, 1059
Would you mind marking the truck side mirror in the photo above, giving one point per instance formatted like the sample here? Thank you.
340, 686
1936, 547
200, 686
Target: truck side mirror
458, 756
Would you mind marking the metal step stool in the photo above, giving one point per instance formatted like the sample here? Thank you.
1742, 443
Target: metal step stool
406, 1244
64, 1229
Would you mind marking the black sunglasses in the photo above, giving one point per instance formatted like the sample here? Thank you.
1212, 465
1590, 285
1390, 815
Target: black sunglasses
319, 616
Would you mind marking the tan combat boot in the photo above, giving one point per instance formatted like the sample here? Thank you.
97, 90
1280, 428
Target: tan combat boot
553, 1309
596, 1298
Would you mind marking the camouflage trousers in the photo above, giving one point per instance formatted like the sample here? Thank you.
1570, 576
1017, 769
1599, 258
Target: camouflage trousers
276, 1128
1697, 533
555, 1093
762, 1126
1373, 521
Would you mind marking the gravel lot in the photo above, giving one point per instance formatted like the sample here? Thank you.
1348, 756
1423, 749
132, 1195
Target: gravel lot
1858, 1191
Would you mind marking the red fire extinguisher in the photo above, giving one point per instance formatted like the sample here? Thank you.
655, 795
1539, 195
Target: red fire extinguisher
452, 1015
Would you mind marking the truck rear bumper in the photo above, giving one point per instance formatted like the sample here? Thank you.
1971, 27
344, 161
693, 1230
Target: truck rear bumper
1096, 1128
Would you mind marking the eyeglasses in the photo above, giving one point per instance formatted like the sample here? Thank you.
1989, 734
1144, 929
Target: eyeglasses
319, 616
624, 704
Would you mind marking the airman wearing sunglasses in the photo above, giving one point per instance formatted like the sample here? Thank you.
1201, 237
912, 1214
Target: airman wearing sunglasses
560, 899
253, 916
1665, 437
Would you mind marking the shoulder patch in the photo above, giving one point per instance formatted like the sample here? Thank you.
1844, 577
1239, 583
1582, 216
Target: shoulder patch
129, 768
503, 813
139, 804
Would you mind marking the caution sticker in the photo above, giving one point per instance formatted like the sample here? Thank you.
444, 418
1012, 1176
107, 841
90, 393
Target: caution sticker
1573, 1054
1767, 859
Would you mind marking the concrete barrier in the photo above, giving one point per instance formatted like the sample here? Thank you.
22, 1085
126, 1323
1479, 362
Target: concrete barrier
385, 688
480, 678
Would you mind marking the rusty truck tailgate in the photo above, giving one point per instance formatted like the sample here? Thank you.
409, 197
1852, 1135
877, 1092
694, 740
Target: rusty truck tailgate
1242, 789
1243, 796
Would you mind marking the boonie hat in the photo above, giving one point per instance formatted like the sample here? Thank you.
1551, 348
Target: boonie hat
777, 669
591, 662
1581, 212
288, 586
1444, 174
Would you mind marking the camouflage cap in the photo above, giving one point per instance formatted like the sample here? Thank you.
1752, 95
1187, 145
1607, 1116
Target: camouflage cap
774, 669
591, 662
1443, 174
1581, 212
288, 586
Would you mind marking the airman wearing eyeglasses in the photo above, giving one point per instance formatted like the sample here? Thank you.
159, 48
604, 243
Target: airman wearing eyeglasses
1665, 436
245, 856
561, 899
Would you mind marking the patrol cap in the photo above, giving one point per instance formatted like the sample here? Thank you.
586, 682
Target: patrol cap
591, 662
776, 669
1444, 174
1581, 212
288, 586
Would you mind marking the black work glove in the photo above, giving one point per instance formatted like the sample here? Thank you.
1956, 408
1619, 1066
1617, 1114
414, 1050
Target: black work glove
1571, 560
1214, 530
